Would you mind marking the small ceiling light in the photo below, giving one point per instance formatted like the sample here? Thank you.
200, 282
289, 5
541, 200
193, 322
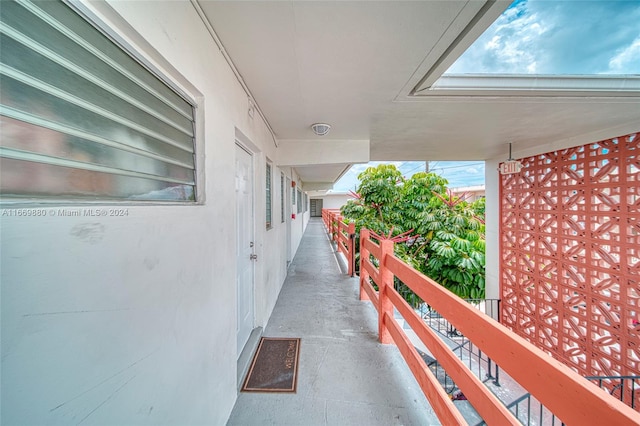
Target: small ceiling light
320, 129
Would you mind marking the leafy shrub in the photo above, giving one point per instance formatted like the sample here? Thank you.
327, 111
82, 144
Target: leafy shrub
446, 234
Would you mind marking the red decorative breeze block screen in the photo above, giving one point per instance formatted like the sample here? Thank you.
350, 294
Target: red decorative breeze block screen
570, 250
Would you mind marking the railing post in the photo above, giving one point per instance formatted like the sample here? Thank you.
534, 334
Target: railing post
364, 254
336, 228
386, 281
352, 249
334, 225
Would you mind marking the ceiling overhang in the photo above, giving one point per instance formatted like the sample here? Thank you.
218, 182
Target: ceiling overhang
372, 70
474, 18
518, 85
322, 176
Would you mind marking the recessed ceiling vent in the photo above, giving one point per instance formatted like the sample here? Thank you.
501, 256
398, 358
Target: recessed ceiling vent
320, 129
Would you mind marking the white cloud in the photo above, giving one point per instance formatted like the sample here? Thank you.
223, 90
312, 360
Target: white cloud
627, 58
358, 168
562, 37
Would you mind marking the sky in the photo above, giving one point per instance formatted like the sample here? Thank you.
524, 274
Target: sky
458, 173
539, 37
558, 37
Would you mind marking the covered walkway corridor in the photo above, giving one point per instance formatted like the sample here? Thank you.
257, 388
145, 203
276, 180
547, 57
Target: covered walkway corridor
345, 376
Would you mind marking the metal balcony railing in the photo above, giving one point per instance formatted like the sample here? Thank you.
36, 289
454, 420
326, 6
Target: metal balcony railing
531, 412
625, 388
477, 361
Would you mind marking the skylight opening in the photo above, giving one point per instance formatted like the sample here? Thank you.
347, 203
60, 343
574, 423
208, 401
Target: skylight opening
458, 173
571, 37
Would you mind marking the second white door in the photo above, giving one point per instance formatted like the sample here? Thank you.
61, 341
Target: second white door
244, 246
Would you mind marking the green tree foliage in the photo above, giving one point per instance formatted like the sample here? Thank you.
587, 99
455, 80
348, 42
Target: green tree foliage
447, 234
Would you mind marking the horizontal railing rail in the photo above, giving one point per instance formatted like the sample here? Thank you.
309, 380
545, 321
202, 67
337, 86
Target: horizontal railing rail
368, 271
548, 380
345, 242
328, 218
343, 234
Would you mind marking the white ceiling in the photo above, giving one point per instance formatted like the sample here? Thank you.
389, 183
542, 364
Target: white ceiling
318, 173
366, 68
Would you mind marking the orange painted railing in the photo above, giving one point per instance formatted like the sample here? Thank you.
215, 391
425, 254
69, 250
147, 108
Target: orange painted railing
562, 391
343, 234
328, 217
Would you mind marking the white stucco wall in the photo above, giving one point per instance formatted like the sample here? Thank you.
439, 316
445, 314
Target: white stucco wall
334, 201
273, 250
329, 152
132, 320
299, 224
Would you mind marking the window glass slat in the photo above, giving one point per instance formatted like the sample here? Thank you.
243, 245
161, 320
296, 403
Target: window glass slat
28, 180
81, 118
82, 165
59, 145
89, 98
14, 123
58, 28
268, 195
22, 97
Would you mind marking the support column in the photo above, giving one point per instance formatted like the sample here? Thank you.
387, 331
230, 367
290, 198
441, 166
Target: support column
492, 231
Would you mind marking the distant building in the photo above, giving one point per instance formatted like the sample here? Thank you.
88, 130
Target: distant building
473, 192
327, 201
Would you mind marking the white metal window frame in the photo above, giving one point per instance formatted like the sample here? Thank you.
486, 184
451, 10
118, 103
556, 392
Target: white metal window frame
105, 18
102, 16
282, 196
268, 194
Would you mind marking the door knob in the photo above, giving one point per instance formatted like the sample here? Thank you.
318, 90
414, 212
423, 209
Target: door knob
253, 257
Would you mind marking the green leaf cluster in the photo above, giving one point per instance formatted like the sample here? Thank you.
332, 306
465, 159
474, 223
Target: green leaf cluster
447, 241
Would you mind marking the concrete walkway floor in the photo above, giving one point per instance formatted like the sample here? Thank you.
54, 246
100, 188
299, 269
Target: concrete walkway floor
345, 376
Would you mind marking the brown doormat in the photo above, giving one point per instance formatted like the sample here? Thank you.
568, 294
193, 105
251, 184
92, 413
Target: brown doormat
274, 367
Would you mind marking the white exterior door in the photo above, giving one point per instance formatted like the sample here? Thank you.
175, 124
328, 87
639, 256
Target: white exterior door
316, 207
244, 246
